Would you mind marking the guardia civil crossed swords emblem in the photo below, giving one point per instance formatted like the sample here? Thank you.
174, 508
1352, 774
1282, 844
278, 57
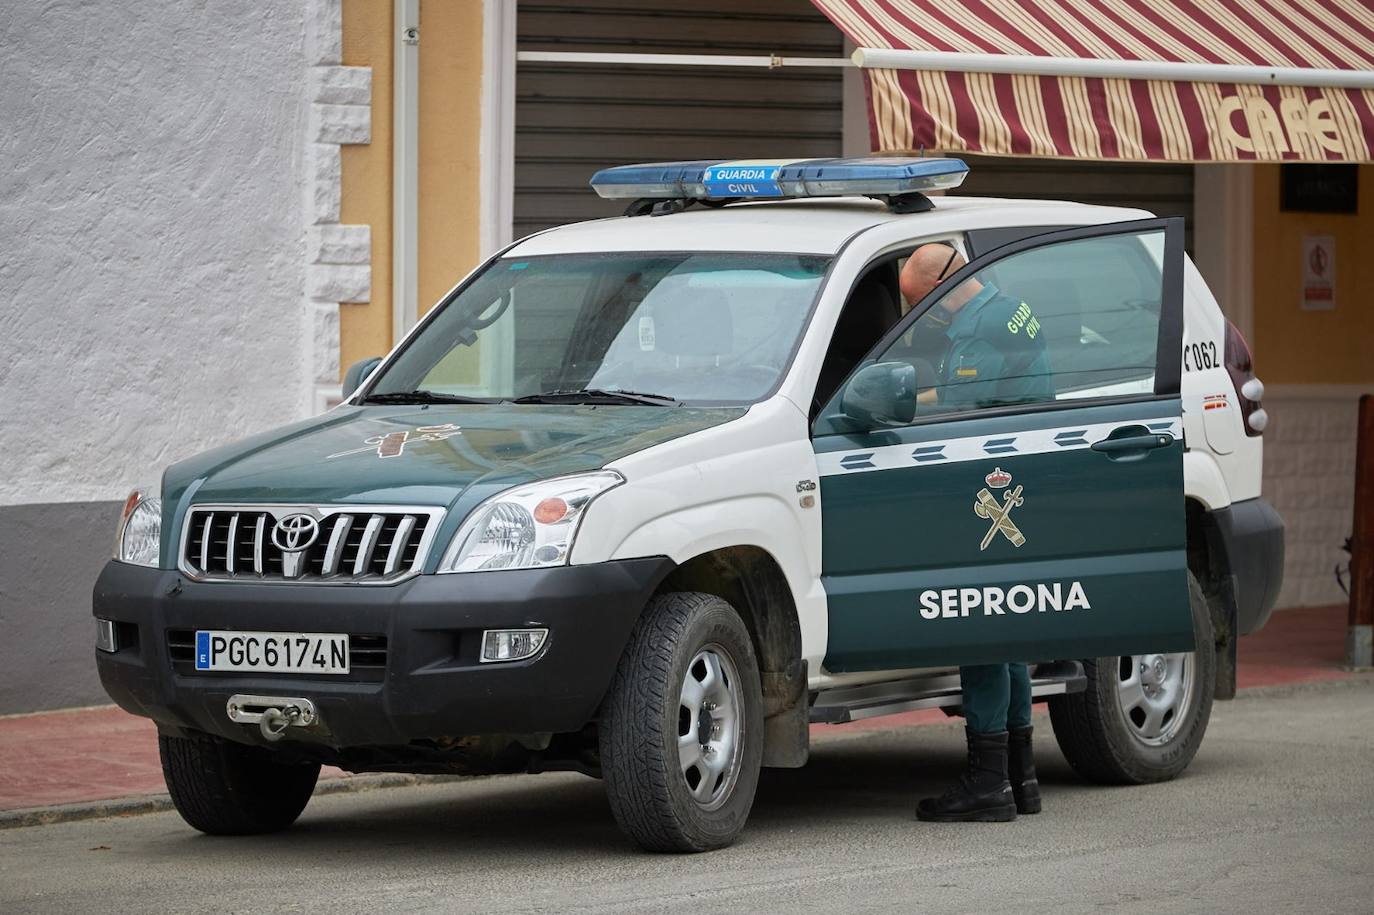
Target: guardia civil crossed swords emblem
998, 511
393, 444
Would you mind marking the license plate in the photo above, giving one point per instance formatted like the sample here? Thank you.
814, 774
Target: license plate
272, 652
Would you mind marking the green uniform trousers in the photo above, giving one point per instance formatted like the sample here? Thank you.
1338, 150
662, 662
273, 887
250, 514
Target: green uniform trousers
996, 697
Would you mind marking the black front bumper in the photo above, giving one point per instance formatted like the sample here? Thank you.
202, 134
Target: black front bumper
426, 682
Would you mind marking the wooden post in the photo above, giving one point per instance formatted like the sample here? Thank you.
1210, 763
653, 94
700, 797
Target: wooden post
1359, 640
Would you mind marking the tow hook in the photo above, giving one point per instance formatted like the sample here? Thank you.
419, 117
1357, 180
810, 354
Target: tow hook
273, 714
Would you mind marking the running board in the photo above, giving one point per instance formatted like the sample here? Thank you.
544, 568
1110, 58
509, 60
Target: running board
855, 703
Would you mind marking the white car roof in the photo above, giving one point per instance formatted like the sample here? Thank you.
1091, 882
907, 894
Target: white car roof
807, 226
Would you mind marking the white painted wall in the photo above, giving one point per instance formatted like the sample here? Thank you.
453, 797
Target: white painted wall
151, 237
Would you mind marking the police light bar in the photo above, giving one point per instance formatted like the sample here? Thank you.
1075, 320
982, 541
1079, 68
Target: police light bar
765, 178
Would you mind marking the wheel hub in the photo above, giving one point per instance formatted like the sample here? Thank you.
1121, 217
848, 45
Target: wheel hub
706, 727
710, 726
1154, 669
1155, 692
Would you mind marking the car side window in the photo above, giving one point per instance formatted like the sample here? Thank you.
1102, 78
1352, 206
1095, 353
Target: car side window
1072, 320
874, 306
872, 309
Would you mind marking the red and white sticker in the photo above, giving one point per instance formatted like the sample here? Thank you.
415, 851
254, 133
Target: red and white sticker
1215, 402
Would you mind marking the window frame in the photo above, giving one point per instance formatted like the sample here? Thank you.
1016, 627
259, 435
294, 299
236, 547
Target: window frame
508, 253
1140, 266
891, 253
1168, 350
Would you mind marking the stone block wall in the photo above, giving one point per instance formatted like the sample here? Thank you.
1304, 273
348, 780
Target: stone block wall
338, 257
1309, 476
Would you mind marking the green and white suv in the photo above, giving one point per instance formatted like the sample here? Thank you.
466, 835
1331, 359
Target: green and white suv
645, 497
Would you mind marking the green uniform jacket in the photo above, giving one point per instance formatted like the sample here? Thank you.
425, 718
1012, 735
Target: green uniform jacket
996, 354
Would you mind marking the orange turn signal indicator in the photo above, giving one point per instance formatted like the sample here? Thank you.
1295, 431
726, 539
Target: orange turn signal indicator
130, 504
551, 510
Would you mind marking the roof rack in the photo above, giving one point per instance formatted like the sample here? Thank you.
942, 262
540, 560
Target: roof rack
662, 188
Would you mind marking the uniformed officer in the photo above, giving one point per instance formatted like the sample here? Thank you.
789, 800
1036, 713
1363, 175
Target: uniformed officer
992, 353
993, 348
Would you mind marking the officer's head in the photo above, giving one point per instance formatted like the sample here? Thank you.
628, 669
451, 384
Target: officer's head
927, 267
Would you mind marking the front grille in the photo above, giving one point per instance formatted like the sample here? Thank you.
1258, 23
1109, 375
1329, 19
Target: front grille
294, 543
366, 657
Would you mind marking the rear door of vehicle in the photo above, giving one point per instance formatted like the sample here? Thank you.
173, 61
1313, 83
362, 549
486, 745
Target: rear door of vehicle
1015, 528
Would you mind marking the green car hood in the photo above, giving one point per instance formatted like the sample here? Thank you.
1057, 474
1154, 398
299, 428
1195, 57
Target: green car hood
446, 455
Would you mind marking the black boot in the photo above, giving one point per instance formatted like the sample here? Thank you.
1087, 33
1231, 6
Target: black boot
982, 793
1021, 770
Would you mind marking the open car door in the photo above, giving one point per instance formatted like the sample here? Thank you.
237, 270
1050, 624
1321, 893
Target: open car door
1030, 507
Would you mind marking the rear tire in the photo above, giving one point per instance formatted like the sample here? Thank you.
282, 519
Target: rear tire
1141, 718
681, 730
228, 789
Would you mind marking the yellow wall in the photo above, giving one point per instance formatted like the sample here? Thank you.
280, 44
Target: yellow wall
1293, 346
449, 170
450, 134
365, 329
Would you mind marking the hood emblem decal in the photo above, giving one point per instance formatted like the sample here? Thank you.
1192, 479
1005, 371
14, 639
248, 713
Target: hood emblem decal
293, 535
393, 444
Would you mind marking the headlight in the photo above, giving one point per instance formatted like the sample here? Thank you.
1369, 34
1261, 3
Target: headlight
139, 539
527, 527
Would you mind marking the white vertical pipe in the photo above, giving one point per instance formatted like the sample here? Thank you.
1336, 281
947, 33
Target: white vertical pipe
497, 157
405, 191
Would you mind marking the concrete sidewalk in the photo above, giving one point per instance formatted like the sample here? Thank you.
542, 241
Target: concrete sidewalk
93, 761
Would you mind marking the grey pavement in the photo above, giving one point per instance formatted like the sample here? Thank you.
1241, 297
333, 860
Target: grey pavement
1276, 814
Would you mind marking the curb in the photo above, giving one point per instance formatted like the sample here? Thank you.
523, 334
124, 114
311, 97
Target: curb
1348, 678
158, 803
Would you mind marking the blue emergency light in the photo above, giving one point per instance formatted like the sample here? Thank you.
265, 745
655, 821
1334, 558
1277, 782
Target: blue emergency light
725, 180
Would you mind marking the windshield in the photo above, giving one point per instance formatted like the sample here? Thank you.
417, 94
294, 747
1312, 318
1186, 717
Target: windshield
693, 327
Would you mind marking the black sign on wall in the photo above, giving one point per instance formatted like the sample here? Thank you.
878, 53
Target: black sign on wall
1319, 188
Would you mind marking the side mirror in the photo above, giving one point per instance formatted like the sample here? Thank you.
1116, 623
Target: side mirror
882, 394
357, 373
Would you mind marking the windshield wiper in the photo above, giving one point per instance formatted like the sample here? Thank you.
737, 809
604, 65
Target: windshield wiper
423, 397
584, 395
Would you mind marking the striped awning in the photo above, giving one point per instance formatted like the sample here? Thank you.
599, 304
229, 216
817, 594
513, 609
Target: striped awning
1137, 119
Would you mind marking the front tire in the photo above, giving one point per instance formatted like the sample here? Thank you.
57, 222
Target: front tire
681, 730
228, 789
1142, 717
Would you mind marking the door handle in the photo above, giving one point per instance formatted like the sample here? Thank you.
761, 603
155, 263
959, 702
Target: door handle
1131, 442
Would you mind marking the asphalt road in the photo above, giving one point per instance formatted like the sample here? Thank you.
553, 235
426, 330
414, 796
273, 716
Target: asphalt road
1275, 814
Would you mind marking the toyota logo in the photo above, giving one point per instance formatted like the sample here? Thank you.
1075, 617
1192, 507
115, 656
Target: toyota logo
295, 533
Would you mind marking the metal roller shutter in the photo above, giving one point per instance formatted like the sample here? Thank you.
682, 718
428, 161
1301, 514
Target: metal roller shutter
1165, 189
571, 119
